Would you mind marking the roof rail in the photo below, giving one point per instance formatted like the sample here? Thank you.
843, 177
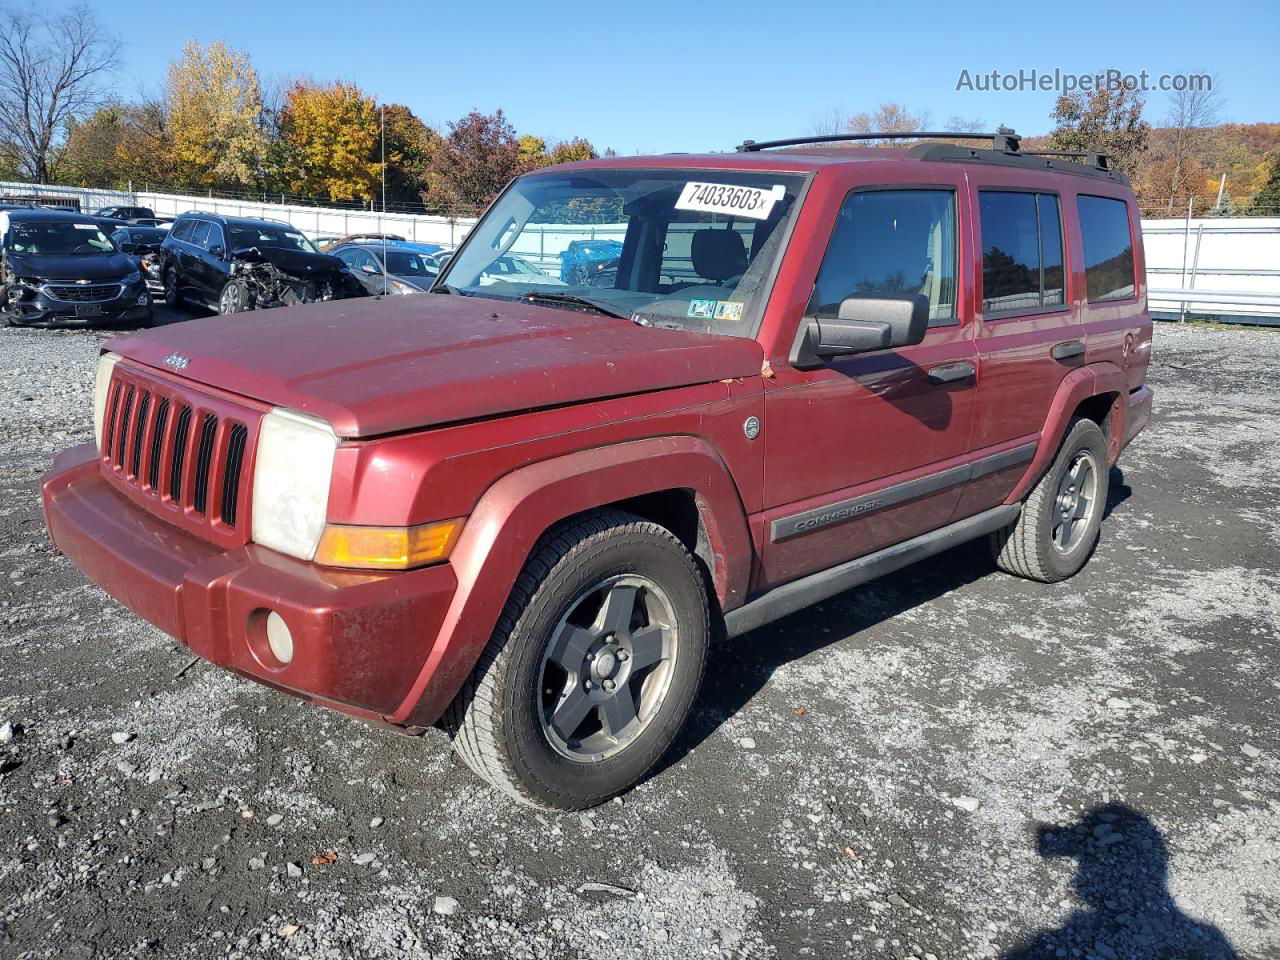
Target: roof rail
1092, 158
1004, 139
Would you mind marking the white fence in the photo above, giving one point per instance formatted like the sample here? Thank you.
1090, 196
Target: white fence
320, 223
1220, 267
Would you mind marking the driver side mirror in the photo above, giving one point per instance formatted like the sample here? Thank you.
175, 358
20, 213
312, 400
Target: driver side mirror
863, 323
128, 248
217, 251
370, 269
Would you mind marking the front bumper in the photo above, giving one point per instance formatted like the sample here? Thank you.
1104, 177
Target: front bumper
360, 640
41, 310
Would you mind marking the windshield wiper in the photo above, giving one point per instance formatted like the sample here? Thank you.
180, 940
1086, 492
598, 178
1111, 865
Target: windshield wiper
537, 296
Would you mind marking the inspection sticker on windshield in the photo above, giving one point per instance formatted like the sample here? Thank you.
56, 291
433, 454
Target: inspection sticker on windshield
754, 202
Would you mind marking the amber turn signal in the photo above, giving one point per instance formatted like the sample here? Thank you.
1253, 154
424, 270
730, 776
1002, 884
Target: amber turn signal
387, 548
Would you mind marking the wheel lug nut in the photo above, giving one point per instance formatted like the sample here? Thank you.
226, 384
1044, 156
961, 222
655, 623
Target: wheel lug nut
608, 684
623, 655
590, 685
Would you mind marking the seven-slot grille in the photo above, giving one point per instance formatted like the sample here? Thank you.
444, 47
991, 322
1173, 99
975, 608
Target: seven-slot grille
95, 293
182, 454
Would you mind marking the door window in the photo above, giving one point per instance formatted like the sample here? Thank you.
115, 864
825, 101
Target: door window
182, 230
1022, 268
1108, 248
890, 242
199, 233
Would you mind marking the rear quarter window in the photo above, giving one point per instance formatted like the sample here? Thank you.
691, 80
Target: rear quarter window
1108, 248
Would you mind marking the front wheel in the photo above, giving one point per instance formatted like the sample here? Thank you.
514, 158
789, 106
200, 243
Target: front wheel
593, 667
1056, 532
234, 298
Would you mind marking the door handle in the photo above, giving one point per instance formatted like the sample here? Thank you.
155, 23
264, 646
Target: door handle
951, 372
1067, 350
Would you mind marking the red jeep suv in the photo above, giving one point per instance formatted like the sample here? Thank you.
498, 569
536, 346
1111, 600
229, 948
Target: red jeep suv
520, 509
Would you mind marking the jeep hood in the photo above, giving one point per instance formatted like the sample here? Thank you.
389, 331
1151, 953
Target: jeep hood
373, 367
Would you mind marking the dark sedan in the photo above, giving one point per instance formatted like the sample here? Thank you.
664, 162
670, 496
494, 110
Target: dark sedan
61, 269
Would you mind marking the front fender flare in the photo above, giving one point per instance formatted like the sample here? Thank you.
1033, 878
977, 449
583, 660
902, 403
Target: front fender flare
501, 533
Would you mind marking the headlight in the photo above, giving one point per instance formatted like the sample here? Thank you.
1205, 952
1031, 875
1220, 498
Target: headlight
291, 482
132, 278
102, 381
402, 288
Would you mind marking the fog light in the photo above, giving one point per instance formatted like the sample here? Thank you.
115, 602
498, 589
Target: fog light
142, 299
279, 639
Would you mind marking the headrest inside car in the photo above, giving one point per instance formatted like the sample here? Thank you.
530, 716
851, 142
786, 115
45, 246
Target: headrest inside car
718, 254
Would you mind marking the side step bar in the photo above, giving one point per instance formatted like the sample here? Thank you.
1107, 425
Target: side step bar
786, 599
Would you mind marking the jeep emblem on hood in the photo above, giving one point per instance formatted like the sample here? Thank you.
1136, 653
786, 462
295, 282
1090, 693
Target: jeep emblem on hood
177, 361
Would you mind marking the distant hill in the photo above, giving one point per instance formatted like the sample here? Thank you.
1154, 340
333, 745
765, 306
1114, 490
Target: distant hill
1243, 151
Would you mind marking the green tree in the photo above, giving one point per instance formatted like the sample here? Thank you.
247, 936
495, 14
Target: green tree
1266, 202
92, 154
410, 143
1106, 120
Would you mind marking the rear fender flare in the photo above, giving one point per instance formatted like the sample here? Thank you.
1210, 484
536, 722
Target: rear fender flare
501, 532
1076, 387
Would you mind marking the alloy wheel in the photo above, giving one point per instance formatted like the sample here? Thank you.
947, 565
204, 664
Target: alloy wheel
1075, 503
607, 668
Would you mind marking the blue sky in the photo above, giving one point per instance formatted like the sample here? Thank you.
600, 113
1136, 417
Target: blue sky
660, 76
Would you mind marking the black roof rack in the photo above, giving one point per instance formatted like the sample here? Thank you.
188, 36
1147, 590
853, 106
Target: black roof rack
1004, 151
1004, 139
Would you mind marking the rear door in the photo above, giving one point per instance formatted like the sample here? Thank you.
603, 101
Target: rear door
1028, 334
870, 449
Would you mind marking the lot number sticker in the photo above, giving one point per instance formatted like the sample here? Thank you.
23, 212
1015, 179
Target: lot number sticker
754, 202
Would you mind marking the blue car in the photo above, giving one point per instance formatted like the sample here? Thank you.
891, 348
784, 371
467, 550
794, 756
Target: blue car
583, 262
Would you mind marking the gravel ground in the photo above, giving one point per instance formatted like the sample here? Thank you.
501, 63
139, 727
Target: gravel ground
945, 763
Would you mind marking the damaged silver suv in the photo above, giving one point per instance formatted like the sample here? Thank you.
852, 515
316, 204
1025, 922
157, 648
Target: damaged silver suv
233, 264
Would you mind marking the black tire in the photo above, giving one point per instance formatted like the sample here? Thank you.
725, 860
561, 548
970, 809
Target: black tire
235, 297
172, 295
1034, 546
499, 723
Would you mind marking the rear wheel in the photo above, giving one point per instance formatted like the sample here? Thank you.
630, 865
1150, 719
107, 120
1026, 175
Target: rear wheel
172, 298
1058, 528
593, 667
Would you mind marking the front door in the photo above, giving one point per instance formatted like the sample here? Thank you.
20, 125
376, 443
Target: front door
870, 450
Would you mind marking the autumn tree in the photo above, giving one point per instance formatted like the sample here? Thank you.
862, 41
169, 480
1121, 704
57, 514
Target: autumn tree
145, 147
91, 156
215, 117
329, 140
51, 70
477, 158
1190, 111
569, 151
1108, 120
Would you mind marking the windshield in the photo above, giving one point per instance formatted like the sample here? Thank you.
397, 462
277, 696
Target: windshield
404, 264
686, 249
57, 238
282, 237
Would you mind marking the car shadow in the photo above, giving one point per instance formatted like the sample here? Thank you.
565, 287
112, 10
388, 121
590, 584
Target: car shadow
739, 668
1122, 873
